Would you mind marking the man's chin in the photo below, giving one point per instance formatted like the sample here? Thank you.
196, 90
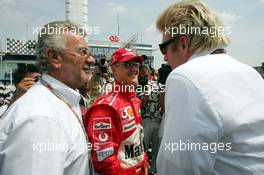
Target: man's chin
133, 82
83, 80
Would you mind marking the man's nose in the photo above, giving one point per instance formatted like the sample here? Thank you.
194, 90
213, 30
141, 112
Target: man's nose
165, 58
90, 59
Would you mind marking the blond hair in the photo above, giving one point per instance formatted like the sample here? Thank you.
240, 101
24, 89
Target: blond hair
194, 16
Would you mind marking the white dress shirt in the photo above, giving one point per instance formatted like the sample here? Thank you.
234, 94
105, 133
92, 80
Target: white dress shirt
213, 100
39, 134
3, 109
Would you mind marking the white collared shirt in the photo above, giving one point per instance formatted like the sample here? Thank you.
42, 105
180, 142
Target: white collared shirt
39, 134
213, 100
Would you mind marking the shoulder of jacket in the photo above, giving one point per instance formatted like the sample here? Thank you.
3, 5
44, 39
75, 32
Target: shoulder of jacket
107, 99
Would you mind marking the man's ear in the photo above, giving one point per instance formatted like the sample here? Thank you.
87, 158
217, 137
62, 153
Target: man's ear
185, 49
183, 42
53, 58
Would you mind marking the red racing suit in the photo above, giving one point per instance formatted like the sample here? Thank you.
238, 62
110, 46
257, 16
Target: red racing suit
115, 129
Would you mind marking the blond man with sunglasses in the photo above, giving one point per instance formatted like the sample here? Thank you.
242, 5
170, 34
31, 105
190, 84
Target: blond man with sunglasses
214, 113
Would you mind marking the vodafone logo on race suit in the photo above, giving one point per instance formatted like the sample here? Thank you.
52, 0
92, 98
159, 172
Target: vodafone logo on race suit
104, 137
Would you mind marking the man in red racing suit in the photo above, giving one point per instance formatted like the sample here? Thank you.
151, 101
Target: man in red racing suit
114, 123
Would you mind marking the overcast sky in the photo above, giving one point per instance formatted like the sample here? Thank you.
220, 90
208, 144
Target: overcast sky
245, 17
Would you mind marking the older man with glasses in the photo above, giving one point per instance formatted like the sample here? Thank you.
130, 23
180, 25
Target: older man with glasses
42, 132
114, 122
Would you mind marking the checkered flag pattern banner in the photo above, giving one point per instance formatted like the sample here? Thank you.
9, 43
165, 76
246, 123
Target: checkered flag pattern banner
20, 47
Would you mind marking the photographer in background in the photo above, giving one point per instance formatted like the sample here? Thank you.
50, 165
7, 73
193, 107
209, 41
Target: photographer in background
100, 79
24, 78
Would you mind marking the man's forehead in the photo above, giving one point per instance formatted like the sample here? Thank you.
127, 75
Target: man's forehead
72, 39
74, 36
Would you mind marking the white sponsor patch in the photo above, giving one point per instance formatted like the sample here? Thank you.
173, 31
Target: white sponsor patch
102, 123
103, 154
129, 126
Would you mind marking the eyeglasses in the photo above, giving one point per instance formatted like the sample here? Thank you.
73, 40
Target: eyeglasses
163, 46
129, 64
82, 51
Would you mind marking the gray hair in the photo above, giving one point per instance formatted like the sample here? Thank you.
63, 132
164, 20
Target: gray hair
52, 35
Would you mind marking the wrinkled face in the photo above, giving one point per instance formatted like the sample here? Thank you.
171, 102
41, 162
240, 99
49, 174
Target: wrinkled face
126, 73
176, 51
76, 61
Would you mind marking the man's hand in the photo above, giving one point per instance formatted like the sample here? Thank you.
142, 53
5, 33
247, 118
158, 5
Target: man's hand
24, 85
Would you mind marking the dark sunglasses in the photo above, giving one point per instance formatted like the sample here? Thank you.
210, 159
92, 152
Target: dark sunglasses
163, 46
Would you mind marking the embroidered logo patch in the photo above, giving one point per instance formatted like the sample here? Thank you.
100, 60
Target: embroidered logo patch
102, 138
129, 126
127, 113
103, 154
102, 123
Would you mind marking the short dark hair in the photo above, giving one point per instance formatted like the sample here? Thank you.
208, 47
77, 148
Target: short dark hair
21, 71
164, 72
